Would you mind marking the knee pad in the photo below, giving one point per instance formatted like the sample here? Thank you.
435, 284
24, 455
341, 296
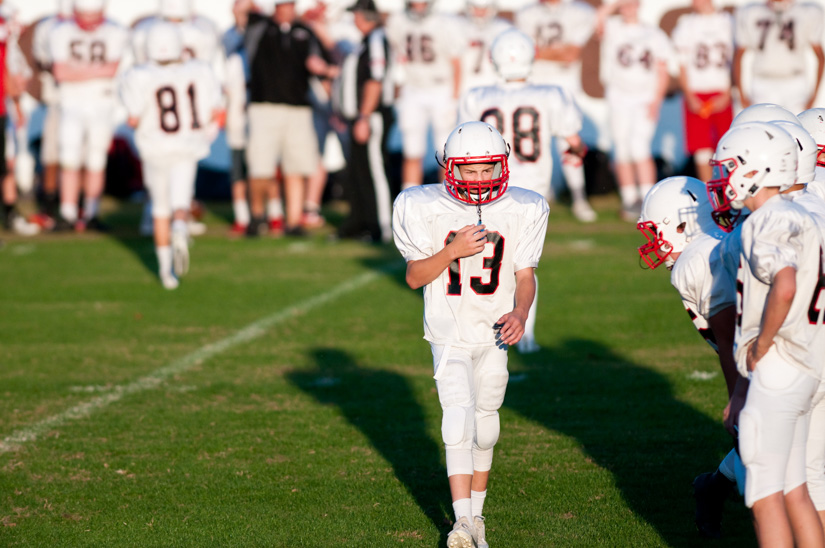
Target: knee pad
488, 428
453, 425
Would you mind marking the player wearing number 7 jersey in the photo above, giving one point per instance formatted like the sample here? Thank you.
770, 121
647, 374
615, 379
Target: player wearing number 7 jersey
175, 108
472, 243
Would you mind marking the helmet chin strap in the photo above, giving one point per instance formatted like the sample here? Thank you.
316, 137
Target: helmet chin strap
478, 209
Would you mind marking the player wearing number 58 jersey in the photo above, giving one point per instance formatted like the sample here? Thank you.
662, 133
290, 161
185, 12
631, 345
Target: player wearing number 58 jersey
85, 52
472, 244
175, 108
779, 34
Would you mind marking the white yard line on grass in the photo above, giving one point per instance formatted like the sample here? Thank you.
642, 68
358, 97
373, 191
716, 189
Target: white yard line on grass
157, 377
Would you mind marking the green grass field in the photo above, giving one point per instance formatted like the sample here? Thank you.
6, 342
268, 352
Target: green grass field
283, 396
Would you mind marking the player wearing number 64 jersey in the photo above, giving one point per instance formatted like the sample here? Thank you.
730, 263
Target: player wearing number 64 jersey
175, 108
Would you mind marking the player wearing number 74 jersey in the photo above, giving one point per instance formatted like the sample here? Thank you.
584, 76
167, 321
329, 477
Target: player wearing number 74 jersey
175, 108
472, 243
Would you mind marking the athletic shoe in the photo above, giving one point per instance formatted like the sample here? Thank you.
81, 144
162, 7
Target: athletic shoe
62, 225
21, 226
527, 346
312, 220
180, 253
42, 220
710, 491
196, 228
169, 281
95, 224
276, 225
296, 232
462, 534
256, 227
583, 212
480, 537
237, 230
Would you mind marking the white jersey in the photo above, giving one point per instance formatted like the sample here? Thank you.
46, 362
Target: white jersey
779, 37
778, 235
476, 67
630, 57
41, 54
703, 283
200, 37
553, 25
174, 104
68, 43
236, 100
812, 202
424, 48
528, 116
463, 303
704, 45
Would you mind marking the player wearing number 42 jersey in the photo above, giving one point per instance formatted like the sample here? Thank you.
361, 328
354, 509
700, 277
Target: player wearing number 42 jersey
175, 108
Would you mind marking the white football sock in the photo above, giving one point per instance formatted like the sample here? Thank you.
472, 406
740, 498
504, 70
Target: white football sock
629, 195
240, 209
644, 188
90, 208
274, 209
477, 498
574, 177
164, 254
462, 508
68, 211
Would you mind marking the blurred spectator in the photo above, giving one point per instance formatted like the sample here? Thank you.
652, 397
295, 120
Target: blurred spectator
283, 53
365, 102
778, 34
86, 51
429, 54
704, 43
634, 73
560, 30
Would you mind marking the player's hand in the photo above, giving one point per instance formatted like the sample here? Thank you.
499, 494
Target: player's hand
756, 351
735, 405
512, 327
361, 130
720, 102
693, 103
469, 241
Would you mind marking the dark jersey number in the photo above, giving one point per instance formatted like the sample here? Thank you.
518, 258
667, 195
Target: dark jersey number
525, 139
168, 108
786, 32
626, 57
549, 34
491, 263
96, 53
704, 54
420, 48
815, 309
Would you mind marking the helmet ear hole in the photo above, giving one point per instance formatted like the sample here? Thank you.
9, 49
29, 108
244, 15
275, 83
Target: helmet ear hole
681, 228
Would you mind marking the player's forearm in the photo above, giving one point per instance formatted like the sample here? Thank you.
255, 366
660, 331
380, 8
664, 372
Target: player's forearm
736, 73
424, 271
456, 62
525, 291
777, 305
565, 53
371, 97
73, 72
820, 67
723, 325
662, 81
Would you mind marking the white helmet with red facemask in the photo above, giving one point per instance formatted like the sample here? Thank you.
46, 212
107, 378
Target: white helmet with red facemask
750, 157
89, 14
476, 143
674, 212
813, 120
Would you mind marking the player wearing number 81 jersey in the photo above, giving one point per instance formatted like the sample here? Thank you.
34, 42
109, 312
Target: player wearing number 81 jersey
175, 108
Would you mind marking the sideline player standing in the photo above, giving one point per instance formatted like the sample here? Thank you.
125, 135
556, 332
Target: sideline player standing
779, 34
480, 25
703, 40
472, 243
530, 115
778, 342
86, 51
172, 105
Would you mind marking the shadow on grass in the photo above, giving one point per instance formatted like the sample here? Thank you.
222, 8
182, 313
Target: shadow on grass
368, 399
626, 418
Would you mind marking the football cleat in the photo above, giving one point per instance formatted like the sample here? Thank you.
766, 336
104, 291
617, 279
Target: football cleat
180, 253
583, 212
276, 225
312, 220
237, 230
710, 491
95, 224
22, 227
169, 281
42, 220
462, 534
196, 228
480, 537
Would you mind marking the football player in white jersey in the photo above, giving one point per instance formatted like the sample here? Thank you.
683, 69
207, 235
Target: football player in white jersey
779, 335
529, 116
779, 34
480, 25
472, 243
560, 29
428, 54
703, 40
813, 120
681, 234
86, 52
175, 108
634, 72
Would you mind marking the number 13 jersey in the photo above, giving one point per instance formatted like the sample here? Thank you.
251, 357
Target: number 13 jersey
463, 302
174, 104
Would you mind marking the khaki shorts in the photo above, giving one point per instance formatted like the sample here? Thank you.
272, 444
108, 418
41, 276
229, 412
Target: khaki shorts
281, 134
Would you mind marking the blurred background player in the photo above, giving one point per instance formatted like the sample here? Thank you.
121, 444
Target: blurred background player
560, 29
778, 35
175, 107
813, 120
429, 57
529, 116
480, 24
365, 93
634, 72
703, 40
86, 51
49, 97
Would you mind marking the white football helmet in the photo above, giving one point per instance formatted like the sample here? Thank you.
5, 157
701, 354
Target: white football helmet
475, 143
163, 42
176, 9
88, 14
674, 212
749, 157
64, 8
806, 153
415, 13
813, 120
512, 54
89, 6
764, 112
481, 11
